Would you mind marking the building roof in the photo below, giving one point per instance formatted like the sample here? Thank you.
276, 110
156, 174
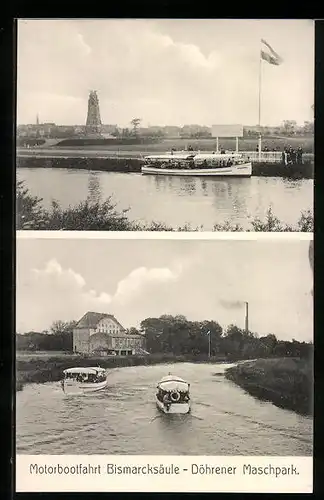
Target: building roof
91, 320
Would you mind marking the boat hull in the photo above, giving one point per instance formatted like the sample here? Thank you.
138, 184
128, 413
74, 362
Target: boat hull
75, 388
243, 170
174, 408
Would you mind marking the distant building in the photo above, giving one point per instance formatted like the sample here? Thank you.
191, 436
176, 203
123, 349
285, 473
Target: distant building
102, 334
109, 129
172, 131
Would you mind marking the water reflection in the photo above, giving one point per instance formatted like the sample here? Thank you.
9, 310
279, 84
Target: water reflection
175, 201
94, 188
203, 184
225, 422
182, 185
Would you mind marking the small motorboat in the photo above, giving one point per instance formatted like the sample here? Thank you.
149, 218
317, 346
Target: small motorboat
83, 380
172, 395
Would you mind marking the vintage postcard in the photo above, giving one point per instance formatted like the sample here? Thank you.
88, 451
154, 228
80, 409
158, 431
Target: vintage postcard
164, 365
165, 124
164, 288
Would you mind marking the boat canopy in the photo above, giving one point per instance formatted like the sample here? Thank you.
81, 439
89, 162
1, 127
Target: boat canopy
212, 156
173, 383
183, 156
91, 369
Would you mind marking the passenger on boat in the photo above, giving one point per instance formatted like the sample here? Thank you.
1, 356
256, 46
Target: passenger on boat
167, 400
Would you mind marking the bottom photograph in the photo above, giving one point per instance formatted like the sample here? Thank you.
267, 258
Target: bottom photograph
164, 347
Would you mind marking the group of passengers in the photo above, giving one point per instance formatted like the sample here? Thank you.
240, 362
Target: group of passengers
88, 377
289, 156
292, 156
188, 165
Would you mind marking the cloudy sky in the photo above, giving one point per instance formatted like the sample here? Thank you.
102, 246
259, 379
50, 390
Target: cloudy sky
136, 279
167, 72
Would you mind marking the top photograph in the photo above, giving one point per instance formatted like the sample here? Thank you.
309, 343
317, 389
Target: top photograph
165, 125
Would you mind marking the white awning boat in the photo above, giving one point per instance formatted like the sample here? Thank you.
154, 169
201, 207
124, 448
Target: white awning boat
198, 164
172, 395
82, 380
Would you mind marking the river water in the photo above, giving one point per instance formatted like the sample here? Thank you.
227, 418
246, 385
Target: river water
123, 419
175, 201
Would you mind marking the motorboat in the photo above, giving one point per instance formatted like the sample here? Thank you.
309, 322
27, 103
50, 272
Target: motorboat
172, 395
82, 380
198, 164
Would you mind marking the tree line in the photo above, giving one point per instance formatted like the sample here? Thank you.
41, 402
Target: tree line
177, 335
58, 338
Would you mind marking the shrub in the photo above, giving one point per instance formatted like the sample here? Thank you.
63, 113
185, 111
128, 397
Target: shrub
103, 216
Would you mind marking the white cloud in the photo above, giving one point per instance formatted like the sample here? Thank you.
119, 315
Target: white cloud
195, 73
53, 293
140, 278
54, 269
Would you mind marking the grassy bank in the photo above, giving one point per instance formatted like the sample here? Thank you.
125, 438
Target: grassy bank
133, 165
208, 144
103, 216
41, 369
286, 382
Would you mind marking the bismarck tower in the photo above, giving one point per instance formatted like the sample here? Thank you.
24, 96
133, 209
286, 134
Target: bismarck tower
93, 123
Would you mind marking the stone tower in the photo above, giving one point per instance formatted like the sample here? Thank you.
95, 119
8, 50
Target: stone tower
93, 123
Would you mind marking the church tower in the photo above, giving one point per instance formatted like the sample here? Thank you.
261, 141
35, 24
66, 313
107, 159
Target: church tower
93, 123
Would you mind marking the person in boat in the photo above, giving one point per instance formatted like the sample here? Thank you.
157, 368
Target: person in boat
222, 151
167, 400
190, 148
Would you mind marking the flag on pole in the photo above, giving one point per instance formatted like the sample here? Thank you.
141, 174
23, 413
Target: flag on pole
269, 55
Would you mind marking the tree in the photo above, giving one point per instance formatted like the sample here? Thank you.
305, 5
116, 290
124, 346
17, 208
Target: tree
62, 335
60, 327
216, 332
136, 123
308, 127
132, 331
269, 342
30, 213
289, 126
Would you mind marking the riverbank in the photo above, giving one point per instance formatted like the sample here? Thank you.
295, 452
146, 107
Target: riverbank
49, 369
286, 382
133, 165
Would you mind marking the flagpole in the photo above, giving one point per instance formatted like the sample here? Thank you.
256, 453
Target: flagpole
260, 80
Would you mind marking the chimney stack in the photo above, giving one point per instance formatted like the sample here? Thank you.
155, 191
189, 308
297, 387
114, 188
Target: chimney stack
246, 317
